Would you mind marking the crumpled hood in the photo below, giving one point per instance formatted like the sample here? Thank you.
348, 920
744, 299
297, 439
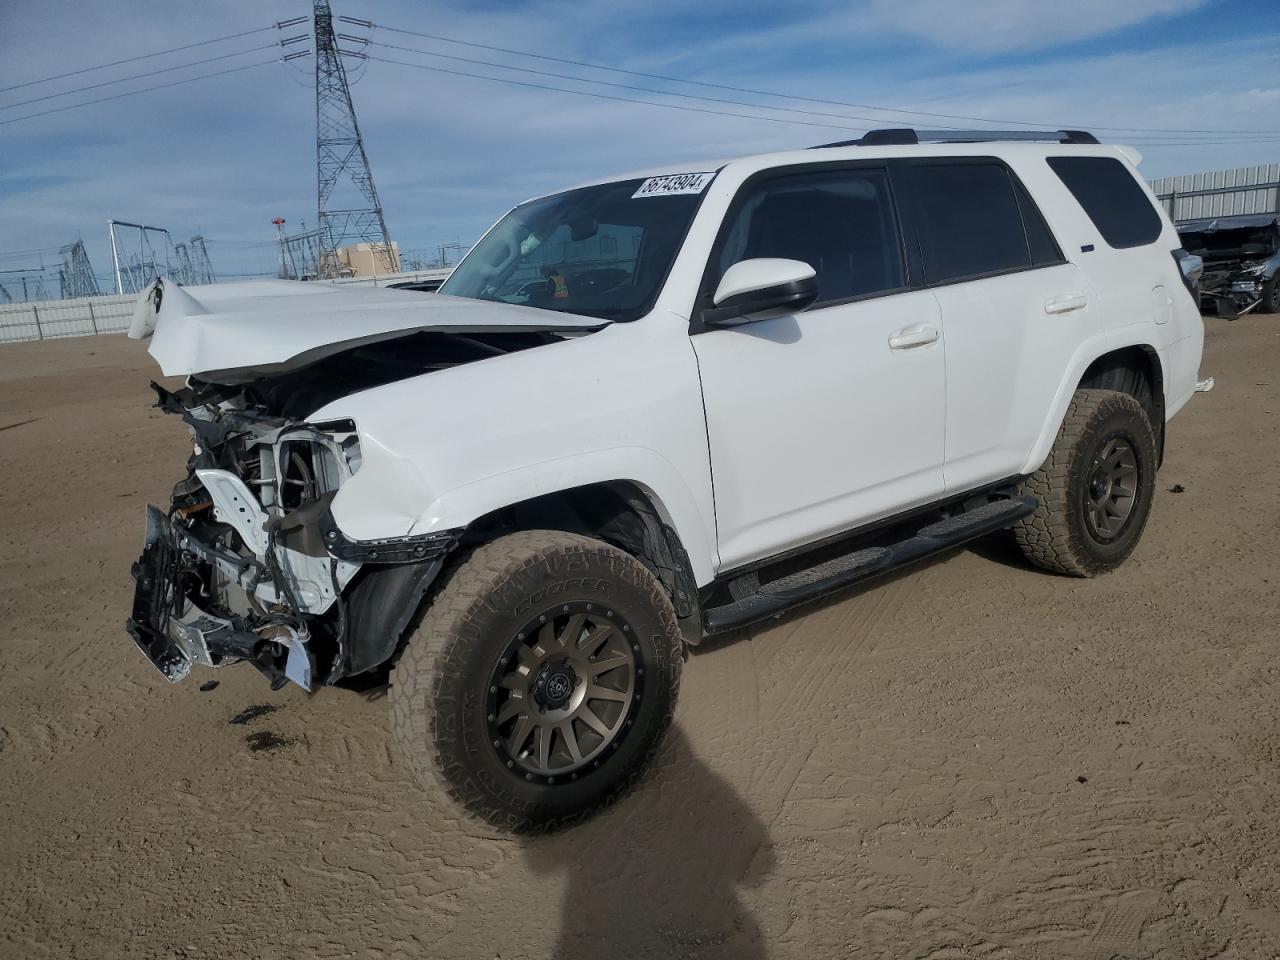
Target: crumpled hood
266, 327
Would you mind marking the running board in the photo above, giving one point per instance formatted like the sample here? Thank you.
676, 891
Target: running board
772, 598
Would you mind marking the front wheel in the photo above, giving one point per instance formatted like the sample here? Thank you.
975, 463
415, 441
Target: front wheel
1095, 489
1271, 295
540, 681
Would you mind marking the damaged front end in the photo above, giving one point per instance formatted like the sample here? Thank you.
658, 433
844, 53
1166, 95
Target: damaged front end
1241, 257
247, 563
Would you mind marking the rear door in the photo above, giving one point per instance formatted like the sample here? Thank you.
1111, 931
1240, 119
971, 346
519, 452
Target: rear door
828, 418
1013, 310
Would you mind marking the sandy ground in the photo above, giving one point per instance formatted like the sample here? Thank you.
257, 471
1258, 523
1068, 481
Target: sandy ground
971, 760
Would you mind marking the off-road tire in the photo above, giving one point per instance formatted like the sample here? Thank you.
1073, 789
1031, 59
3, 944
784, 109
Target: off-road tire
1057, 536
440, 684
1271, 296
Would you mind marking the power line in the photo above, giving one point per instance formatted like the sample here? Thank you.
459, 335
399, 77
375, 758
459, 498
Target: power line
144, 56
726, 113
23, 254
136, 76
160, 86
689, 96
789, 96
626, 86
605, 96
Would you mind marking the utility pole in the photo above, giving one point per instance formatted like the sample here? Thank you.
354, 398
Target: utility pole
352, 216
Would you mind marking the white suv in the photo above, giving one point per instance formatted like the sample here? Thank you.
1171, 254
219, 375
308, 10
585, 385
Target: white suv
654, 408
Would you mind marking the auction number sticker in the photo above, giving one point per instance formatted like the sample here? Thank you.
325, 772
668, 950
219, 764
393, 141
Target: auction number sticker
673, 184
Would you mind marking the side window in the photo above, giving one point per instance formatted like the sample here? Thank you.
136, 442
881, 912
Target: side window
840, 222
971, 224
1044, 249
1109, 194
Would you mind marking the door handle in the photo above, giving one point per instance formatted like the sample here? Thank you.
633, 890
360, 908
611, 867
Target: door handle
1066, 303
918, 336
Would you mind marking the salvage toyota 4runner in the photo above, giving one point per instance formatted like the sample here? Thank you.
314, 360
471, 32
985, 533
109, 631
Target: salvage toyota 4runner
652, 409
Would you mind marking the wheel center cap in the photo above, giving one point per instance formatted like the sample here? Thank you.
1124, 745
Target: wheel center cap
554, 685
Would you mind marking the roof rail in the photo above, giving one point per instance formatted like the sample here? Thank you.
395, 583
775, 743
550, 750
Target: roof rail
906, 135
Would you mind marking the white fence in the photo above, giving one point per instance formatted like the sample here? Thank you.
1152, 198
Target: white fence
50, 319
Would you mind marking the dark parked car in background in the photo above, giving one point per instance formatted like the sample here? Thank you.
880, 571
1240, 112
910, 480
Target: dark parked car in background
1241, 260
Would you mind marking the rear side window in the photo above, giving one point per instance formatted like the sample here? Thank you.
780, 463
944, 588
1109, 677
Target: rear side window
1117, 205
1043, 248
841, 222
971, 223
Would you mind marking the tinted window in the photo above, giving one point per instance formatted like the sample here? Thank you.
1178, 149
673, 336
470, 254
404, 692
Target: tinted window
970, 221
1044, 249
1117, 205
840, 222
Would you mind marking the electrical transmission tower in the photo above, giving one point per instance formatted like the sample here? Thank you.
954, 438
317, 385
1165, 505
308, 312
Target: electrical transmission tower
184, 263
201, 268
352, 215
76, 274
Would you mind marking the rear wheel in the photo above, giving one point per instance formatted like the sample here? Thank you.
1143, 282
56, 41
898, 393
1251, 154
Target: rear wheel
540, 681
1095, 489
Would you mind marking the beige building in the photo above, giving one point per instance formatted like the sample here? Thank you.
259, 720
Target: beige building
369, 259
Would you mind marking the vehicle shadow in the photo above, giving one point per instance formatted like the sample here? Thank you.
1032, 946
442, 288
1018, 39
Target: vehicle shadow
1000, 547
657, 874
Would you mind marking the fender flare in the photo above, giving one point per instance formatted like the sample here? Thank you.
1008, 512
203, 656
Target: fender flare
656, 477
1083, 357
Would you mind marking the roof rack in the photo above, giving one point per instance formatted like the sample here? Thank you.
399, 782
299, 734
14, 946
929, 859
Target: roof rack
898, 137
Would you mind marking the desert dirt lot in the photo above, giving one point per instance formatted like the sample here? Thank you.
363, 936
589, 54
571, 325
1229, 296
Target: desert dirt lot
974, 759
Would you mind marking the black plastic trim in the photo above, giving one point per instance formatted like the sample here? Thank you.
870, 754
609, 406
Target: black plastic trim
380, 606
929, 540
889, 137
413, 549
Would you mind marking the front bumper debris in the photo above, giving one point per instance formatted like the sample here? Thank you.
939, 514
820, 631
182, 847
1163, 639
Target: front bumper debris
173, 632
198, 602
152, 597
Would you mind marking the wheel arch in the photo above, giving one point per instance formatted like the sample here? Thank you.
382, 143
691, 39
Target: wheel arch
386, 600
1120, 361
1137, 371
624, 513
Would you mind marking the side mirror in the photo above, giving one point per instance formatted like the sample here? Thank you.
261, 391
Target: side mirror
761, 289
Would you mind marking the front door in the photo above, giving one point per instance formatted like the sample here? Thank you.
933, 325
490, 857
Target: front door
826, 419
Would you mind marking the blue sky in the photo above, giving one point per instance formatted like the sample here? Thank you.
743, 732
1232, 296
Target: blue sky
223, 156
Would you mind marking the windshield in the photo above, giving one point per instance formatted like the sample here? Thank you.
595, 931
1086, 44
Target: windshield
601, 251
